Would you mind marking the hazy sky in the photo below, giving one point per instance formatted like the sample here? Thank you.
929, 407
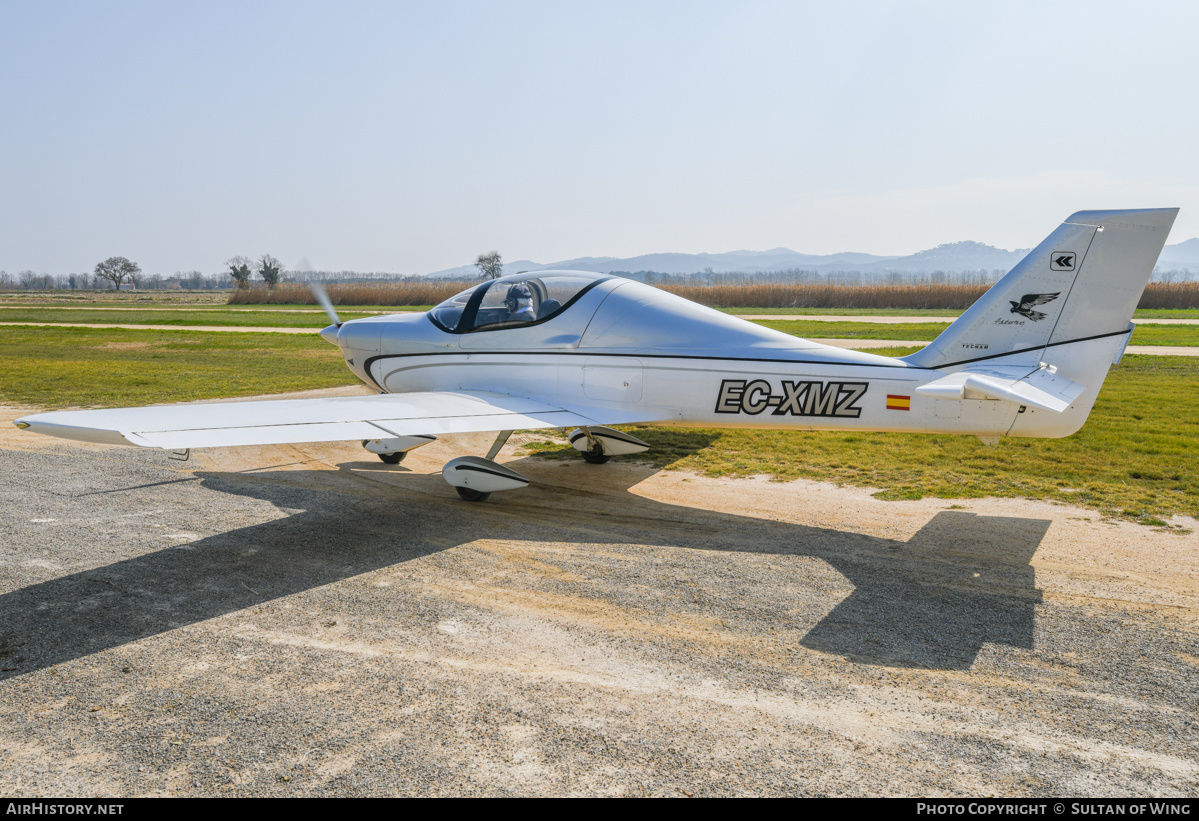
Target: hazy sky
410, 137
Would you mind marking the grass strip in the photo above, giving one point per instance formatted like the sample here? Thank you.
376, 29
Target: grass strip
97, 367
176, 316
1181, 335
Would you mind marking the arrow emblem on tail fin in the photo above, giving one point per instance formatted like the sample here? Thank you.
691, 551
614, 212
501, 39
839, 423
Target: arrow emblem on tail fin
1061, 262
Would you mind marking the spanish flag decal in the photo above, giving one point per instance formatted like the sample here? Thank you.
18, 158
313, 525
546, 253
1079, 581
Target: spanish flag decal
898, 402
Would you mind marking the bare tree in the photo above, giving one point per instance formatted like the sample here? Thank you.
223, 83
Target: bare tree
240, 270
270, 269
491, 265
116, 270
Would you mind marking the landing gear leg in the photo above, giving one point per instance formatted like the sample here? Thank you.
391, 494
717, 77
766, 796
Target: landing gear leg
500, 441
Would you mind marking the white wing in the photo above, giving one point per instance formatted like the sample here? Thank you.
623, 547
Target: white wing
282, 421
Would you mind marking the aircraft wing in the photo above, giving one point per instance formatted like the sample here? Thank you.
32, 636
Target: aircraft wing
273, 422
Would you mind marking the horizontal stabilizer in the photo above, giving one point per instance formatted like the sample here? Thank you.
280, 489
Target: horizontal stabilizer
1043, 388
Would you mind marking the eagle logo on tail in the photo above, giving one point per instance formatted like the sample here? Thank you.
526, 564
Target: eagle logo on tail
1029, 301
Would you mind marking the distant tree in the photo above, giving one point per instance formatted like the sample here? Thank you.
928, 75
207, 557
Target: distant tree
490, 265
270, 269
116, 270
240, 270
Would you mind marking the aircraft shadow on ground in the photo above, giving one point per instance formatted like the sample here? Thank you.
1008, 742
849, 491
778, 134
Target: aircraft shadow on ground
932, 601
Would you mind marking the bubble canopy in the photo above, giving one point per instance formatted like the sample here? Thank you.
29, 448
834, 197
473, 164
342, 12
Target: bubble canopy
513, 301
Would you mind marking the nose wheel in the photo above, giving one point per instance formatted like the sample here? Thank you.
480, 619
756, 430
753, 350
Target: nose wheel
393, 458
472, 495
595, 456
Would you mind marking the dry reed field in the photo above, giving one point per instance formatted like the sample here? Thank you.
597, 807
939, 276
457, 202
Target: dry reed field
942, 297
353, 293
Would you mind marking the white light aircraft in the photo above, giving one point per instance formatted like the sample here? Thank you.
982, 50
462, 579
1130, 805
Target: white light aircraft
570, 349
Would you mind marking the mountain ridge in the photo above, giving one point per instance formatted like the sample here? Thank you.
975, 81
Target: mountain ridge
950, 257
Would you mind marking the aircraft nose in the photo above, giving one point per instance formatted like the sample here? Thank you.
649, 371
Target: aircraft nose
329, 334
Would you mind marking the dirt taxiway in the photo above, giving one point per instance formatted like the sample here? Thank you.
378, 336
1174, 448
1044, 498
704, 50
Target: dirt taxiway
304, 620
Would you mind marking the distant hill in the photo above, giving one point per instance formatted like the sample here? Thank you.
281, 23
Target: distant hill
954, 256
951, 257
777, 259
1184, 255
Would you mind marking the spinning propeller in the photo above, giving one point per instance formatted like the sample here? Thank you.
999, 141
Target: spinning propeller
318, 291
329, 334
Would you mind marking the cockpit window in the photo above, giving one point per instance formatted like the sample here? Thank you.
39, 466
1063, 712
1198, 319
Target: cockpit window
512, 301
447, 314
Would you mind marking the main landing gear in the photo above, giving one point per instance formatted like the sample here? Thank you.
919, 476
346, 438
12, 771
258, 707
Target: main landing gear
393, 451
475, 478
598, 445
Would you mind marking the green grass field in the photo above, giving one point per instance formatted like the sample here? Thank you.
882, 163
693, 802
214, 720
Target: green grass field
276, 317
215, 317
1133, 459
102, 367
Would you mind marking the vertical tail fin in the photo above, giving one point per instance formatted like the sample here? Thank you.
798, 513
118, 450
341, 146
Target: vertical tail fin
1044, 336
1083, 282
